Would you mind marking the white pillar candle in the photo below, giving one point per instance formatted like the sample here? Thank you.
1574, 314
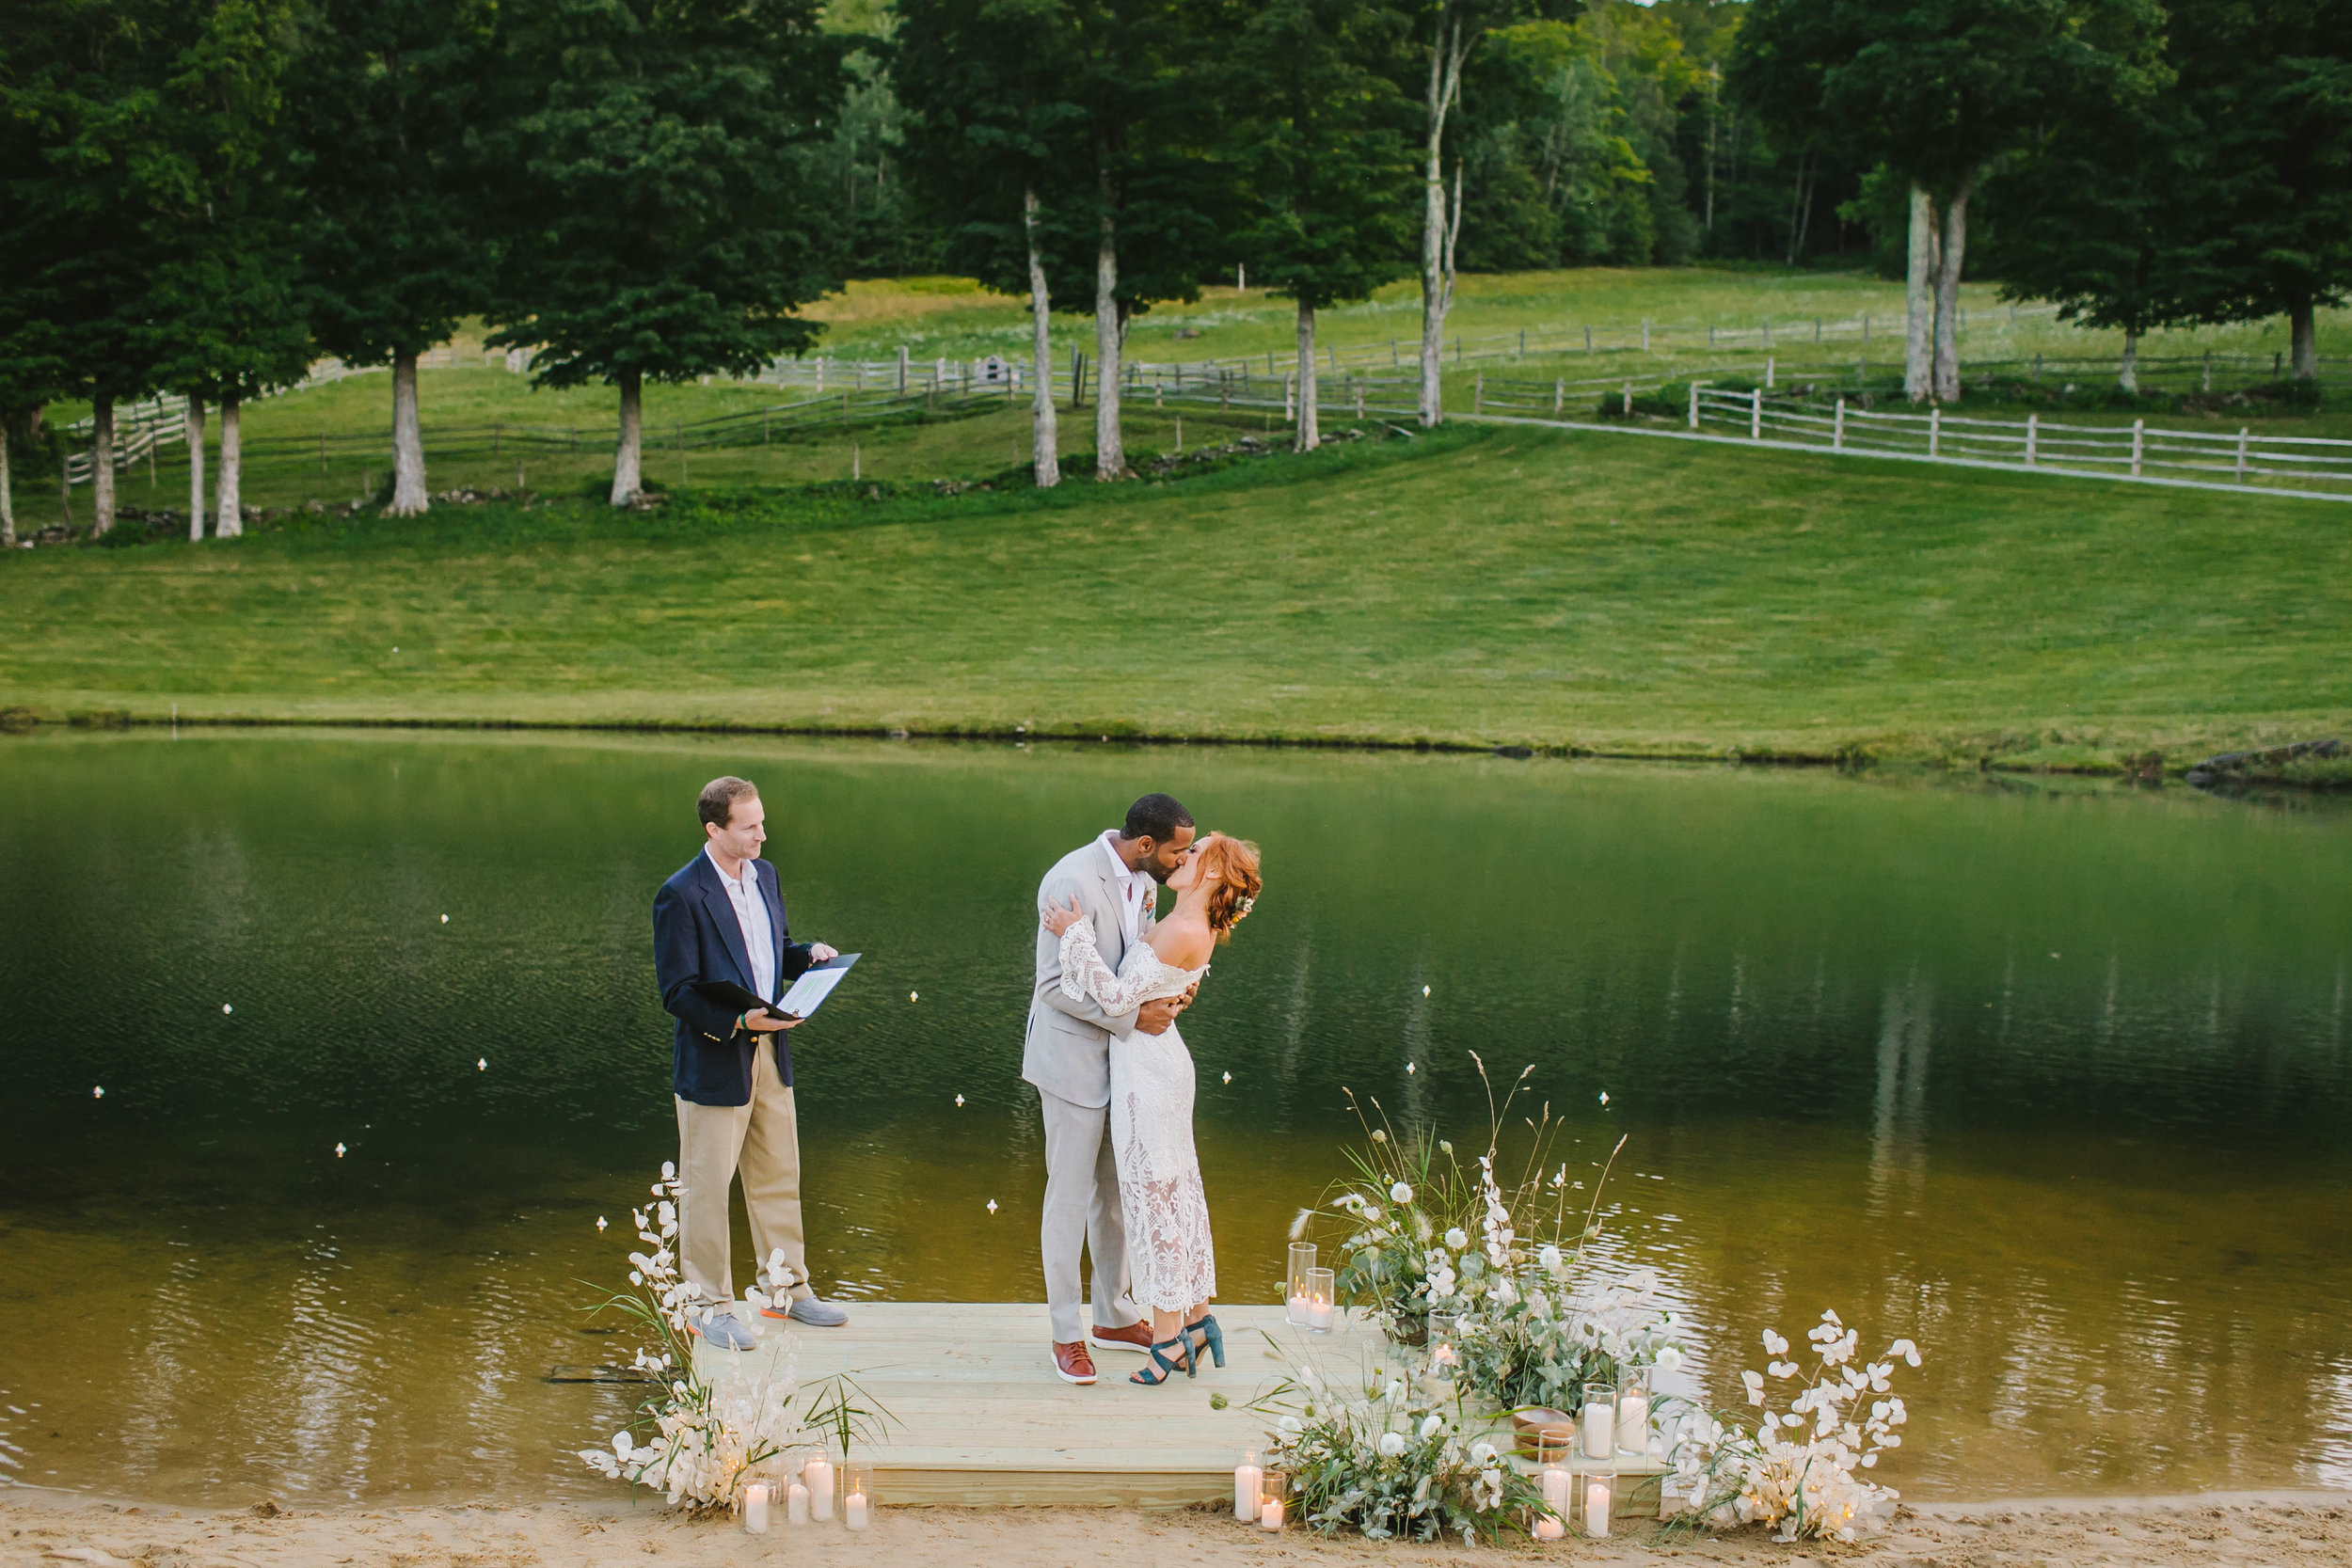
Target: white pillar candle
1597, 1502
1246, 1479
818, 1473
1634, 1421
756, 1509
1270, 1516
1549, 1528
1319, 1314
853, 1511
1600, 1431
1556, 1482
796, 1505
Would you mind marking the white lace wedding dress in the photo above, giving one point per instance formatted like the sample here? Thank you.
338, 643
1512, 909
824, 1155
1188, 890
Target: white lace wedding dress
1171, 1260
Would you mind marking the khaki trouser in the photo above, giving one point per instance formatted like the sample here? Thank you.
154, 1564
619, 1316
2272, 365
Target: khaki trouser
761, 1142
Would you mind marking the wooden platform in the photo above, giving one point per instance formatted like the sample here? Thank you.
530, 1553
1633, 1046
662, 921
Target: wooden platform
979, 1419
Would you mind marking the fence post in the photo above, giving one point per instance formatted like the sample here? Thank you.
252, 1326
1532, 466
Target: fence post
1694, 405
1478, 394
1588, 337
1394, 362
1767, 370
1359, 397
1936, 428
1522, 343
1645, 337
2037, 370
1559, 397
2139, 439
1817, 329
902, 370
2033, 434
2208, 369
1756, 414
1838, 430
1290, 397
2241, 454
1628, 399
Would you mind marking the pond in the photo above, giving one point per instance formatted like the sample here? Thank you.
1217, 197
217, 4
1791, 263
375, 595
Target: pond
2052, 1078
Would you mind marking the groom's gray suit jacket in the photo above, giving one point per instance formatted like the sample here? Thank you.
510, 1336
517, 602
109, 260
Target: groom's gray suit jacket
1068, 1053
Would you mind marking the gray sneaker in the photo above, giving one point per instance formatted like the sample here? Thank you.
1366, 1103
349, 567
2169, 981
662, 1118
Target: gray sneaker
722, 1330
818, 1314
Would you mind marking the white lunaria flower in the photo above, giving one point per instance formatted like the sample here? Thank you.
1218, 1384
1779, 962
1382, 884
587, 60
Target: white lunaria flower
1754, 1381
1548, 1256
1289, 1423
1774, 1344
1395, 1390
1482, 1452
623, 1443
1432, 1424
1904, 1348
1456, 1238
1391, 1444
1401, 1192
1379, 1136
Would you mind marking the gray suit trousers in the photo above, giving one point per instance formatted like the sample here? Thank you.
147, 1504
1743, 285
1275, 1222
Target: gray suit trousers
1082, 1214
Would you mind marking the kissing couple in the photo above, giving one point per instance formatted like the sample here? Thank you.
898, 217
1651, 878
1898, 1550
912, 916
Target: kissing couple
1106, 1057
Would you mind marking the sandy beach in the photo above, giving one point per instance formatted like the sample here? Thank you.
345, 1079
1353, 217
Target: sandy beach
43, 1530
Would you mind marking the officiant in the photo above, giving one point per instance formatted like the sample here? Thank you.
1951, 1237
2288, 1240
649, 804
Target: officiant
720, 918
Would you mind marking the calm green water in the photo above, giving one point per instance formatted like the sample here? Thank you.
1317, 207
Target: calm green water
2053, 1079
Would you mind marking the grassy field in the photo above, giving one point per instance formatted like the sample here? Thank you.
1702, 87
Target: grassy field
1478, 587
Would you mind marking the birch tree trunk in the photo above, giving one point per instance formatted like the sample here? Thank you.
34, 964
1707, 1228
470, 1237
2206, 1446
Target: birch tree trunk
1310, 434
1045, 445
102, 462
1437, 242
626, 473
1918, 299
195, 466
227, 503
1947, 262
2302, 346
408, 494
1110, 454
2127, 376
7, 494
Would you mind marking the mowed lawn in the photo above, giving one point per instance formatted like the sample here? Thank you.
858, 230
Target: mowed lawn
1485, 587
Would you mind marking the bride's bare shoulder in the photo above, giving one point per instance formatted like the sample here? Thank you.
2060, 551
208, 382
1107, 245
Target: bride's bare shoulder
1183, 945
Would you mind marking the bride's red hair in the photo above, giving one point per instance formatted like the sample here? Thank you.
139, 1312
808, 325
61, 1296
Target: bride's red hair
1233, 862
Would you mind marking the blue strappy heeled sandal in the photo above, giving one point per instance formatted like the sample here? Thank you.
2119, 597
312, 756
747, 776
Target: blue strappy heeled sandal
1213, 1336
1167, 1369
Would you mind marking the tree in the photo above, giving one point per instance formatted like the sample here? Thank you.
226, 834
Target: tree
222, 321
1324, 155
2098, 218
989, 146
1140, 70
659, 225
395, 254
1941, 92
2270, 83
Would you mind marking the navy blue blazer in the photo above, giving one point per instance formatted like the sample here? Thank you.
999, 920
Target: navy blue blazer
696, 936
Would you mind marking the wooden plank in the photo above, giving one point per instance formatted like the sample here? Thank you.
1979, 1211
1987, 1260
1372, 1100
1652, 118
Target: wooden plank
980, 1419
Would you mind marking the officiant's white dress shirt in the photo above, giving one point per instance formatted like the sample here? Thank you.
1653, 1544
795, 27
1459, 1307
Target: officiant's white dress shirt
1131, 886
751, 913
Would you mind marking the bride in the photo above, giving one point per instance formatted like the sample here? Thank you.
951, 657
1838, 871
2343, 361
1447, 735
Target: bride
1170, 1258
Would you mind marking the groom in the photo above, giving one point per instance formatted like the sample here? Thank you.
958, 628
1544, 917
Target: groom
721, 917
1115, 880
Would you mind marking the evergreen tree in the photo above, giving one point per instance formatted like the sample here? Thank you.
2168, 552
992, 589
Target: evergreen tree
658, 221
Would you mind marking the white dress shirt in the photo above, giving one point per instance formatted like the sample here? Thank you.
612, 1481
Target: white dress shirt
751, 913
1132, 886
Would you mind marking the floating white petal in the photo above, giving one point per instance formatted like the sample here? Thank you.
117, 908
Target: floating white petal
338, 1151
959, 1099
991, 1206
1425, 990
482, 1064
227, 1008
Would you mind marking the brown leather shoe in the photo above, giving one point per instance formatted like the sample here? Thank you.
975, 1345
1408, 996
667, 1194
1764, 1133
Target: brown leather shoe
1135, 1337
1071, 1363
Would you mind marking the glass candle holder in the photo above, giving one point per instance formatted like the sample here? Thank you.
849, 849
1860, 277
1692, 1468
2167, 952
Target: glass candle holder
1445, 1346
1600, 1500
857, 1495
1554, 1447
1295, 1292
816, 1475
1323, 1297
1597, 1420
1273, 1499
1633, 1410
1248, 1475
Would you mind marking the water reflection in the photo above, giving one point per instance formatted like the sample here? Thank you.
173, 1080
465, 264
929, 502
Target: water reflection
2052, 1080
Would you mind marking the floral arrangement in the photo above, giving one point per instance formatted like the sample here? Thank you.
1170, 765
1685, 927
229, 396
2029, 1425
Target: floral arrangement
1391, 1461
1506, 1265
705, 1441
1782, 1474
